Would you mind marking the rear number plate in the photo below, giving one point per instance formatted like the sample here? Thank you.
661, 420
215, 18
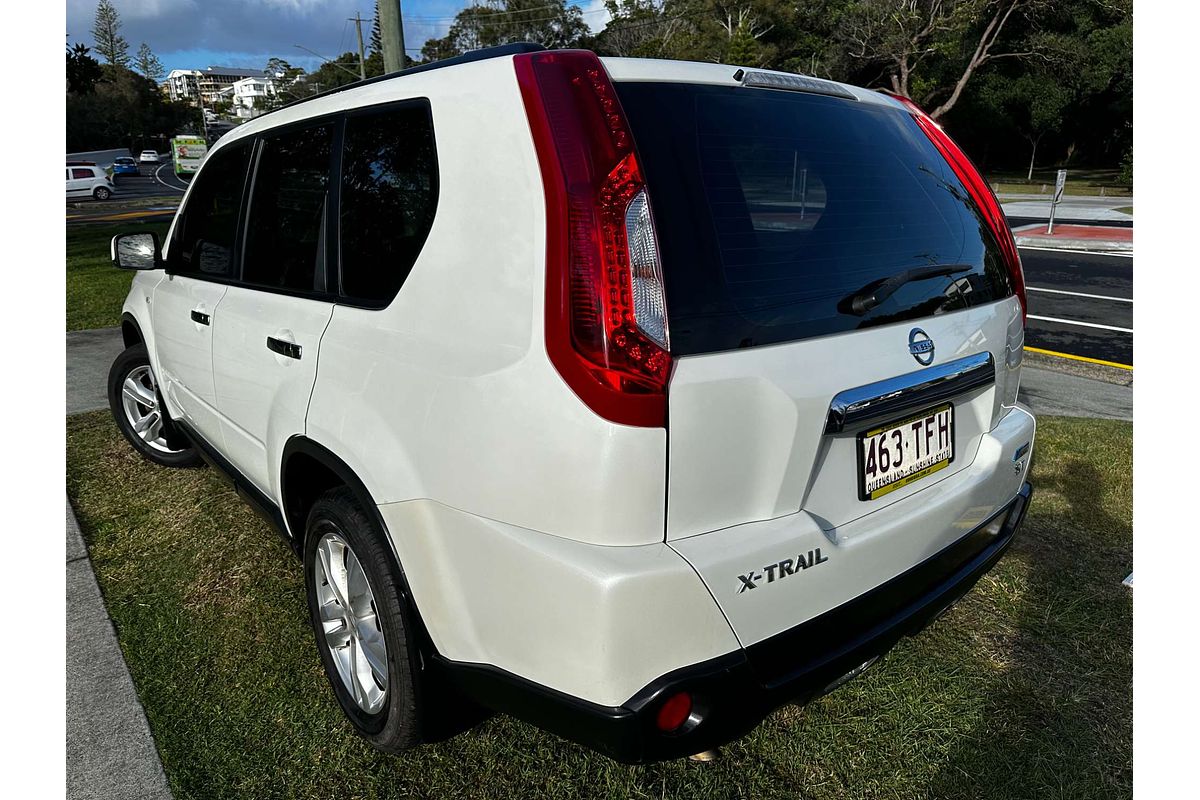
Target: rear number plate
903, 452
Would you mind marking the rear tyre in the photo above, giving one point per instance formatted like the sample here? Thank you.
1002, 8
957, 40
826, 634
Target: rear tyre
101, 193
364, 632
140, 413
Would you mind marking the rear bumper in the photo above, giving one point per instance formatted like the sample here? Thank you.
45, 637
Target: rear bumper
734, 693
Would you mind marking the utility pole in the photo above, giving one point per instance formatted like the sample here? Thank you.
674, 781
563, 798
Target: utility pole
362, 58
391, 31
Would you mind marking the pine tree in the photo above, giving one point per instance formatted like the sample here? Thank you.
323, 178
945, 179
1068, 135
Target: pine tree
743, 47
376, 35
148, 64
107, 34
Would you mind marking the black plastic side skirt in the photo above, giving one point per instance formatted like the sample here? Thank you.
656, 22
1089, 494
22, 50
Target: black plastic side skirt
264, 506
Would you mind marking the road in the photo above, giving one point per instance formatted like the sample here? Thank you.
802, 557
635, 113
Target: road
1080, 303
154, 180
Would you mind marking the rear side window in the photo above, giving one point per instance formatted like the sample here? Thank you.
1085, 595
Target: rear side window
285, 241
773, 209
207, 227
388, 195
81, 172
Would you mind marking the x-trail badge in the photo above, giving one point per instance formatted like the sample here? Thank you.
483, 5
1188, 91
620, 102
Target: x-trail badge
921, 346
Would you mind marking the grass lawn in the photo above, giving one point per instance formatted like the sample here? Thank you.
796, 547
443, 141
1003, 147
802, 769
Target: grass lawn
1022, 690
1079, 182
95, 288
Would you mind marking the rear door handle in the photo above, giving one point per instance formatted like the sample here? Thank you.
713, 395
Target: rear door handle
284, 348
200, 316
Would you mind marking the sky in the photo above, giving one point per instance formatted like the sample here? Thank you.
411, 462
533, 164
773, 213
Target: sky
194, 34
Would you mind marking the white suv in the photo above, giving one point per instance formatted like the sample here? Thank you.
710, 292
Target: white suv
632, 398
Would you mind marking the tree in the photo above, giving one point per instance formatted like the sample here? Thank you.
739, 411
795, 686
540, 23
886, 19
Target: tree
744, 30
288, 83
929, 50
124, 109
376, 34
83, 71
106, 32
548, 22
1032, 103
148, 64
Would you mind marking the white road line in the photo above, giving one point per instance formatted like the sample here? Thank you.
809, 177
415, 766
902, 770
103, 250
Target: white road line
164, 183
1076, 252
1080, 294
1082, 324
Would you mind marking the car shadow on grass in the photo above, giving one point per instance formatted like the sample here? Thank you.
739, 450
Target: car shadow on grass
1057, 720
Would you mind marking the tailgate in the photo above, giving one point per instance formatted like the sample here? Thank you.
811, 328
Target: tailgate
817, 250
750, 434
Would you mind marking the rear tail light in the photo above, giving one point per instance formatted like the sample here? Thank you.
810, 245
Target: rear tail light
980, 192
606, 321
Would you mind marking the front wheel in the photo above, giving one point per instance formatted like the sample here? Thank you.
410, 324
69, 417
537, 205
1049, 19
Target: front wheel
140, 413
101, 193
364, 635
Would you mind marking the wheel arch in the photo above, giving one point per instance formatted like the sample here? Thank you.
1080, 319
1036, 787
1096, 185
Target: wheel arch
131, 331
308, 469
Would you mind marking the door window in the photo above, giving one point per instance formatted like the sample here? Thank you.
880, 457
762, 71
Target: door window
285, 241
207, 228
79, 172
388, 197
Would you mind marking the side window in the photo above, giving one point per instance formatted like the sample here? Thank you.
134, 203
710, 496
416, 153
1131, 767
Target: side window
388, 197
206, 230
285, 242
81, 172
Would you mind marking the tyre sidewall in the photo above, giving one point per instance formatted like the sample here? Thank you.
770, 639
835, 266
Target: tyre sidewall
395, 726
132, 358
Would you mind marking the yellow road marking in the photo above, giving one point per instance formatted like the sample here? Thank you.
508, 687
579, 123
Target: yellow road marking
1079, 358
121, 216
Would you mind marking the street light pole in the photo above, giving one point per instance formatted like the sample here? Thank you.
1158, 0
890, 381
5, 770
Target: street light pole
362, 58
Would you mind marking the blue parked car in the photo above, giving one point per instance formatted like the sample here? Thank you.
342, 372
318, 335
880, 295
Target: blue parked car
125, 166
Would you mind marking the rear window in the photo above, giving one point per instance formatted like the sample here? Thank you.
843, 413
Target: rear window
773, 209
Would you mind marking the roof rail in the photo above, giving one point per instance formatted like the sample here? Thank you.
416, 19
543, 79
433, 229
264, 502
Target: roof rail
483, 54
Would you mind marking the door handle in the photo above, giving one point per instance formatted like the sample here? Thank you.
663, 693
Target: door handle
284, 348
200, 316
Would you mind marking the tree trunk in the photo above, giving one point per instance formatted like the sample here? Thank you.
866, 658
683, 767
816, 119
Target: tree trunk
981, 56
1033, 155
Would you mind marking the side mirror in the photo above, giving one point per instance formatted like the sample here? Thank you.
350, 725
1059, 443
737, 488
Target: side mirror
136, 251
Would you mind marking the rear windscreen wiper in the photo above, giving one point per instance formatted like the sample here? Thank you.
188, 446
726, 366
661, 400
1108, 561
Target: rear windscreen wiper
876, 292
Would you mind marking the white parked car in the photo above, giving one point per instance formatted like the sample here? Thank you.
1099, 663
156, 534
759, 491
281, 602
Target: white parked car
651, 395
148, 157
88, 180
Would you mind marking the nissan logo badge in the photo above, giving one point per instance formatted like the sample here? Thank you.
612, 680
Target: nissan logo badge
921, 346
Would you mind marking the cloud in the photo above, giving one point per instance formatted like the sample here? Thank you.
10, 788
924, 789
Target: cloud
197, 33
191, 34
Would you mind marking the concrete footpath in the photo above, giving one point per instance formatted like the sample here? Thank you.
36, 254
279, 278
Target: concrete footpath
89, 355
110, 753
1060, 394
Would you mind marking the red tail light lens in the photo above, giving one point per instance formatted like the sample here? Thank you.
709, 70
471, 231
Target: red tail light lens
606, 325
980, 192
673, 713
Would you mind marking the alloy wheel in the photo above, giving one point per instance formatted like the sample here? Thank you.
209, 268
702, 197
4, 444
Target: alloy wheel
350, 622
143, 412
